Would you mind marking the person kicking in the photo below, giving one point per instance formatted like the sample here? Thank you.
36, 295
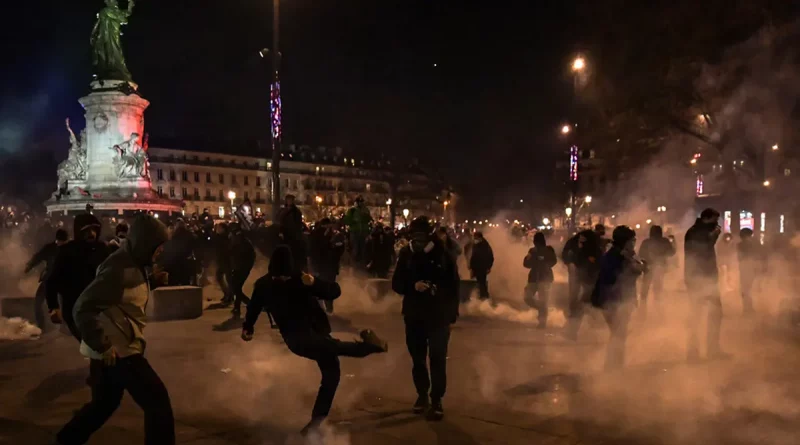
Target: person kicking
292, 298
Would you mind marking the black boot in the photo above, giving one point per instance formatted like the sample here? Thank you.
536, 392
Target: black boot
421, 405
435, 411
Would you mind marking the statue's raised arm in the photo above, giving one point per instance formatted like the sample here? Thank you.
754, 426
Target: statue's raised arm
107, 56
131, 4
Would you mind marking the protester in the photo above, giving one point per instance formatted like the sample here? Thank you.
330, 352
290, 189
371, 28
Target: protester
426, 279
540, 260
291, 298
655, 251
74, 268
110, 316
120, 233
178, 258
379, 250
615, 291
290, 224
358, 220
600, 231
581, 254
480, 264
46, 254
702, 282
752, 262
243, 258
327, 247
222, 251
455, 250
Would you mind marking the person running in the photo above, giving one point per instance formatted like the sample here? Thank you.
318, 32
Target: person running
291, 298
540, 260
110, 315
46, 254
243, 258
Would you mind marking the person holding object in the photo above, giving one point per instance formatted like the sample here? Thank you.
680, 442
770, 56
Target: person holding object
291, 298
110, 315
615, 291
425, 276
540, 260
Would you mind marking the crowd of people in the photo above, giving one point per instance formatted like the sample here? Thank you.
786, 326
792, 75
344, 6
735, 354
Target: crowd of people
99, 291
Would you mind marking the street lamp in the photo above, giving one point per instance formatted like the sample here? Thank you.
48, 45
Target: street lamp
546, 221
232, 196
568, 211
775, 147
766, 183
566, 129
588, 199
318, 199
405, 213
579, 64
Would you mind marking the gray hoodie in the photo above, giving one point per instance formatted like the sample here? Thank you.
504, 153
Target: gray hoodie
111, 311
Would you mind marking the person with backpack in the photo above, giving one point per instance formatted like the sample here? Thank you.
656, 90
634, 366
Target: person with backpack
540, 260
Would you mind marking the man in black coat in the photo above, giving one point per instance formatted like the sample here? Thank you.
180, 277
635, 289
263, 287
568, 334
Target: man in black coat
290, 221
702, 282
540, 260
74, 268
654, 251
243, 258
178, 258
291, 297
380, 247
582, 255
425, 276
480, 264
46, 254
222, 252
327, 248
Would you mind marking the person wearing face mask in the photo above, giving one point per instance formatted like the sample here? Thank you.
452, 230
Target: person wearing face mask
615, 291
540, 260
110, 315
46, 254
426, 279
74, 268
702, 282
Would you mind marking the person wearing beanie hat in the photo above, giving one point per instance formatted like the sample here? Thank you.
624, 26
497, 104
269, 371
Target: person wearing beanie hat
702, 282
615, 291
46, 254
426, 276
292, 297
74, 267
110, 315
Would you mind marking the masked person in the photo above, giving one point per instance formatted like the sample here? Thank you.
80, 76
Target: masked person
615, 291
110, 315
702, 282
581, 254
752, 263
46, 254
655, 251
426, 278
358, 220
243, 258
480, 264
540, 260
74, 268
291, 297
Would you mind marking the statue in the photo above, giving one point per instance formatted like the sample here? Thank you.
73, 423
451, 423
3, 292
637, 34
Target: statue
74, 167
107, 56
132, 161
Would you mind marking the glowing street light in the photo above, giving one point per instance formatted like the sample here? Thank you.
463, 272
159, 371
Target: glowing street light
232, 196
766, 183
521, 200
775, 147
578, 64
566, 129
546, 221
568, 211
389, 202
588, 199
318, 199
693, 161
649, 221
405, 213
638, 226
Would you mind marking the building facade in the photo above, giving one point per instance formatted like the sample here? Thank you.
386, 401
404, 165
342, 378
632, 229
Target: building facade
324, 184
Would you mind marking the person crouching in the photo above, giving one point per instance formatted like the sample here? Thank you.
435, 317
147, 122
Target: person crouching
291, 297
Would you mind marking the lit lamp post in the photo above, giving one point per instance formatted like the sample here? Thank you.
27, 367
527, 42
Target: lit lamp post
232, 197
406, 212
444, 217
578, 66
588, 200
318, 199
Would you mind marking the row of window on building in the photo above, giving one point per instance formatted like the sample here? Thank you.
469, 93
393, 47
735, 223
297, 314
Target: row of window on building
291, 184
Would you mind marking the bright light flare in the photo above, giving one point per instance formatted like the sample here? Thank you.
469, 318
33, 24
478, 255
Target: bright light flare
566, 129
578, 64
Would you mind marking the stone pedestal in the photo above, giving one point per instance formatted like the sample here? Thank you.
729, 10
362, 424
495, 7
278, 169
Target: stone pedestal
175, 303
114, 117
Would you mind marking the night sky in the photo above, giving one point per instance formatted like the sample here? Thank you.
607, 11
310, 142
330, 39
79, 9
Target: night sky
475, 89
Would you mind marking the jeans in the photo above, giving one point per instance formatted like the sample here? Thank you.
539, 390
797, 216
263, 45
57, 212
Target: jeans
238, 278
426, 341
39, 306
326, 350
483, 285
701, 294
132, 374
617, 318
537, 296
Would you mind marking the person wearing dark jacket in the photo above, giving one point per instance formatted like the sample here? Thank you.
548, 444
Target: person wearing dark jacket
752, 263
46, 254
222, 253
74, 268
581, 254
178, 258
291, 297
655, 251
702, 282
327, 248
540, 260
243, 258
110, 315
379, 249
426, 278
290, 222
480, 264
120, 233
615, 291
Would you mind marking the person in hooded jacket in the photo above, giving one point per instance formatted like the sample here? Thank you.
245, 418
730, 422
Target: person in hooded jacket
243, 258
291, 298
480, 264
178, 257
426, 278
74, 268
655, 251
582, 255
110, 315
615, 291
752, 262
702, 282
47, 254
540, 260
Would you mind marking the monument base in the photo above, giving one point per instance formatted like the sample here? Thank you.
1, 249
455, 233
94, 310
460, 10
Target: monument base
113, 200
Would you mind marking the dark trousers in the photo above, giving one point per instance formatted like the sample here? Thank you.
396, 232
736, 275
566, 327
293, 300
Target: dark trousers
746, 281
66, 315
579, 294
537, 296
223, 281
483, 285
238, 277
132, 374
358, 246
428, 341
617, 318
329, 276
326, 350
39, 312
654, 279
705, 294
